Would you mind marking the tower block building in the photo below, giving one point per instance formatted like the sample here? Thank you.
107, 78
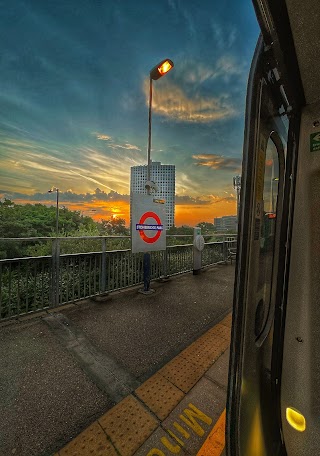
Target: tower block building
165, 178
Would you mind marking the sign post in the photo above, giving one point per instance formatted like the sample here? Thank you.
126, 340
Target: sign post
148, 231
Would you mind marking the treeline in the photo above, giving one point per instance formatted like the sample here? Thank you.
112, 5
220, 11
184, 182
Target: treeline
38, 220
206, 228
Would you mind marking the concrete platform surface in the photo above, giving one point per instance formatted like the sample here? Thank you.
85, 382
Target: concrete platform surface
160, 419
63, 372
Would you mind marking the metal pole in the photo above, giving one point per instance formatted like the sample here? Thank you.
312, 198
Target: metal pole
225, 250
103, 266
149, 135
146, 272
146, 256
55, 299
57, 213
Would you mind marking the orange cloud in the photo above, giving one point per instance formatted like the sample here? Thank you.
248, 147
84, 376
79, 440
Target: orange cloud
215, 161
170, 101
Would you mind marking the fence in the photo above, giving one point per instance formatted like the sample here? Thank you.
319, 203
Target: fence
37, 283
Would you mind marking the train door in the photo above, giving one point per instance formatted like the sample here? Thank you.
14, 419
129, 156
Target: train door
273, 404
253, 412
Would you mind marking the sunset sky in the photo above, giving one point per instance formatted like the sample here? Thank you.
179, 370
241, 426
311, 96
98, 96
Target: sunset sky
74, 100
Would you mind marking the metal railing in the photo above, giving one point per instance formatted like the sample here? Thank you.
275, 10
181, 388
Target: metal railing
41, 282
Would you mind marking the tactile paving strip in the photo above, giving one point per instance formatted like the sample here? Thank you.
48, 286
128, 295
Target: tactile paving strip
128, 425
92, 441
182, 373
203, 361
206, 350
160, 395
227, 321
221, 331
216, 340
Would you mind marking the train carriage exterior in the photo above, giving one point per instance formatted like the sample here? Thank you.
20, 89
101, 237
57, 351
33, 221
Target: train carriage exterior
273, 405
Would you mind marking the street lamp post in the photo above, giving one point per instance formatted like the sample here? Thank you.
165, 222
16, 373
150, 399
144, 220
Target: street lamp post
156, 73
55, 189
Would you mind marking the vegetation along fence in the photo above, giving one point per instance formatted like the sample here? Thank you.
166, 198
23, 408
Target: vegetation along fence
29, 284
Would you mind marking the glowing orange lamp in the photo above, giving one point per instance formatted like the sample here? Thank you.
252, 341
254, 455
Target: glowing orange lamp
161, 69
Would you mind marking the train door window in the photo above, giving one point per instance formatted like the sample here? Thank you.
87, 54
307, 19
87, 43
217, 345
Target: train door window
268, 219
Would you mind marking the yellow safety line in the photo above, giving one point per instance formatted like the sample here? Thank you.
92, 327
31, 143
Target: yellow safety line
215, 442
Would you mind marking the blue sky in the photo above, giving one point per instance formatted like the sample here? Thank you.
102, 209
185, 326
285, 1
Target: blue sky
74, 97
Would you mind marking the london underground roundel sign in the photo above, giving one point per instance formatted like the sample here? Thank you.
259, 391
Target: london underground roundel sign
148, 223
142, 227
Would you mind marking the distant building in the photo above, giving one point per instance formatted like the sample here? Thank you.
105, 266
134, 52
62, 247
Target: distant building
165, 178
226, 223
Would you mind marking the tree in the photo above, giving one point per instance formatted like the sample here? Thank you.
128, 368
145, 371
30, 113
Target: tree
114, 227
38, 220
207, 227
185, 229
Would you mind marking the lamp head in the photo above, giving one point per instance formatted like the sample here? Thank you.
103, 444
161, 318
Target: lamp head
161, 69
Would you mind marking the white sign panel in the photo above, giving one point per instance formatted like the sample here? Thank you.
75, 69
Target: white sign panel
148, 229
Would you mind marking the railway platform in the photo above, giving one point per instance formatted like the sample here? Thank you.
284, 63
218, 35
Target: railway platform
130, 375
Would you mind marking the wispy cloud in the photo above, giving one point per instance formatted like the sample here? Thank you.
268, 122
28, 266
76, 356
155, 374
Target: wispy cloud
126, 146
218, 162
171, 101
225, 66
184, 14
224, 36
103, 137
91, 179
204, 199
215, 199
189, 200
113, 145
34, 165
186, 184
83, 164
